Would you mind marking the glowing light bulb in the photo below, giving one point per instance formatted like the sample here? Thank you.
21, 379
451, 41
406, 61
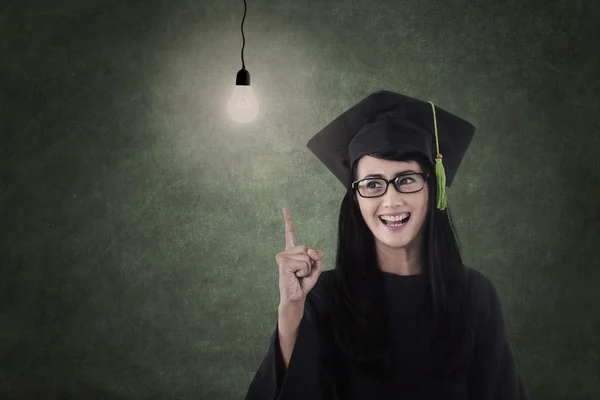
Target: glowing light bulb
242, 106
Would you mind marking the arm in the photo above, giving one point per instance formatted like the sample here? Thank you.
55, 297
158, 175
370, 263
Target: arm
302, 377
493, 373
288, 323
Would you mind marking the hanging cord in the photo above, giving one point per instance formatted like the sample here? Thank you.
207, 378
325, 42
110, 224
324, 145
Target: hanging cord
243, 37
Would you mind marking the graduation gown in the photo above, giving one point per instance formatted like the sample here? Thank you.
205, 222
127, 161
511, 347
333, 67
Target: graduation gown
318, 371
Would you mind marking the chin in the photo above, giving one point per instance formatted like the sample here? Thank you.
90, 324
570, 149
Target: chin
397, 243
402, 238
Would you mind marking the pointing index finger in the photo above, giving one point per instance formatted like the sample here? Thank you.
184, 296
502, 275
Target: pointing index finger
290, 236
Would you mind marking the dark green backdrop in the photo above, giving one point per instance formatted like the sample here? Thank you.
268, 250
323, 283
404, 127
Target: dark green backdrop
140, 225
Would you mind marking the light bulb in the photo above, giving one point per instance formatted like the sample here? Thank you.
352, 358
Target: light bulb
242, 105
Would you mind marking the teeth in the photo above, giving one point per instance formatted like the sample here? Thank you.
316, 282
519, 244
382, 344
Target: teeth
395, 218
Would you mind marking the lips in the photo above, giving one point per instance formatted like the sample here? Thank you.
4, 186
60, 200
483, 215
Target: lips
399, 222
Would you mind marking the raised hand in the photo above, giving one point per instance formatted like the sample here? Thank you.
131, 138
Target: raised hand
299, 267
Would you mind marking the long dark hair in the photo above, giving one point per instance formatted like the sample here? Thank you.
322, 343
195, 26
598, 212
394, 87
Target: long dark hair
359, 319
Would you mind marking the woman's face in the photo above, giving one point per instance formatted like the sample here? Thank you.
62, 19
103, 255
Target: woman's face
392, 202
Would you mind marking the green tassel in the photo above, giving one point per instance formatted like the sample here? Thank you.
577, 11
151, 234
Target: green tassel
440, 174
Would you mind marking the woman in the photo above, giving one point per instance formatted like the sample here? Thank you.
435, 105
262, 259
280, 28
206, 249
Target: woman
400, 316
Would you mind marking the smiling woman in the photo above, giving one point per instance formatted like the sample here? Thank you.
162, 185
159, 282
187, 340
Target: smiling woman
373, 185
387, 212
400, 316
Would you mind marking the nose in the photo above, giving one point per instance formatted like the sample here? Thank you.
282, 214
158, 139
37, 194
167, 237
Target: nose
392, 196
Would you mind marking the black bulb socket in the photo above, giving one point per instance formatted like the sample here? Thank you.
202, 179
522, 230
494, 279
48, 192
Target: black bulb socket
243, 78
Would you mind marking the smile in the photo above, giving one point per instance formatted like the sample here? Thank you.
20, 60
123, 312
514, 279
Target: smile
395, 222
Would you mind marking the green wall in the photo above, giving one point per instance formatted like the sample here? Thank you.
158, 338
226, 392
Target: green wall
140, 224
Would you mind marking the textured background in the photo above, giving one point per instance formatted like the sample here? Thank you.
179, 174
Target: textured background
140, 224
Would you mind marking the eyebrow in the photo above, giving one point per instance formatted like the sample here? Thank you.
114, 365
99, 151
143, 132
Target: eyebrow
409, 171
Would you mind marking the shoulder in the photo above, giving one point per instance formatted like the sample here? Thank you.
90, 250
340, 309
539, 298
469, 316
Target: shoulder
320, 297
479, 283
327, 277
482, 293
324, 285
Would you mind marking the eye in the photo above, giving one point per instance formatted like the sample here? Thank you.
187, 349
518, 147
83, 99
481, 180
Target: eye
373, 184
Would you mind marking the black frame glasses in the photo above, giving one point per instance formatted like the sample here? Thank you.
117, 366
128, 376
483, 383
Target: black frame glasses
394, 180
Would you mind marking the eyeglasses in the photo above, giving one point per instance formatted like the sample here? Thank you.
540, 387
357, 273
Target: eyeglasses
376, 187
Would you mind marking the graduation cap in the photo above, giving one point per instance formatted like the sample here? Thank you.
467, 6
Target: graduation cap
385, 121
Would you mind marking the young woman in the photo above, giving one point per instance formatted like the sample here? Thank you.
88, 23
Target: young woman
400, 316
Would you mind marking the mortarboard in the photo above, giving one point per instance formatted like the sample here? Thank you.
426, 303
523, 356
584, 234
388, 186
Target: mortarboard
386, 120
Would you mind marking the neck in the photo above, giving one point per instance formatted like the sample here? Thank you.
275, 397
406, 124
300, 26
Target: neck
406, 260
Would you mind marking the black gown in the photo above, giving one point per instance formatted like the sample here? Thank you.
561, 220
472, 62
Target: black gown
318, 371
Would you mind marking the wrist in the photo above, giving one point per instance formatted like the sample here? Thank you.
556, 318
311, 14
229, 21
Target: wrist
290, 314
